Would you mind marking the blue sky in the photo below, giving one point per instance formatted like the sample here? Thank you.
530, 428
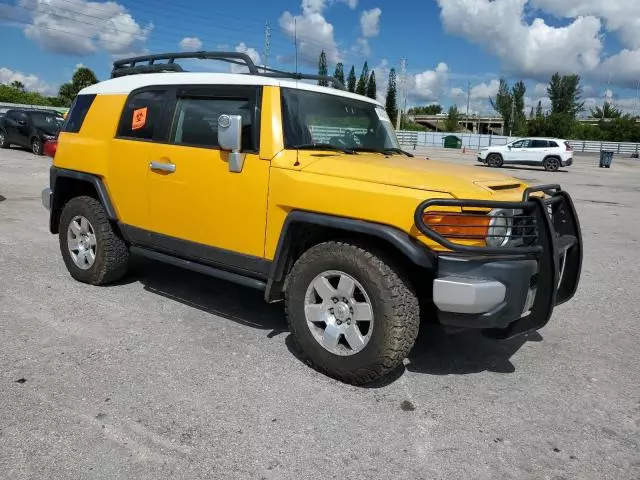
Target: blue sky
448, 44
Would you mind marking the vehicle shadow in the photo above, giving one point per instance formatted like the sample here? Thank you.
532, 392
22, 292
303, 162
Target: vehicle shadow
435, 352
239, 304
515, 167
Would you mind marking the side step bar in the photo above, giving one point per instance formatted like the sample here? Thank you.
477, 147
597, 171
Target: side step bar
200, 268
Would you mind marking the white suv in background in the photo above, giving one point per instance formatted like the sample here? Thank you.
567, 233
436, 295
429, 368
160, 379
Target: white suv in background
550, 153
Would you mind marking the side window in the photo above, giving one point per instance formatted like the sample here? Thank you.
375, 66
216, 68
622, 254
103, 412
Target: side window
77, 113
142, 114
11, 115
195, 120
539, 144
526, 143
553, 144
518, 144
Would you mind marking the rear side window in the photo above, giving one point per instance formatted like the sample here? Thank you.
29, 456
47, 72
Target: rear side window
142, 115
553, 144
77, 113
539, 144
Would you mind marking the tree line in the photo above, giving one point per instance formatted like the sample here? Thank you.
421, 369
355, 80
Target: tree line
560, 120
15, 92
365, 84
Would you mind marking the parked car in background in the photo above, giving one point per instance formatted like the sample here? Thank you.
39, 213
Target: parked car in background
550, 153
29, 128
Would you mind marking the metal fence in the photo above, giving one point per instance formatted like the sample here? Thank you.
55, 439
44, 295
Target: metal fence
472, 141
4, 106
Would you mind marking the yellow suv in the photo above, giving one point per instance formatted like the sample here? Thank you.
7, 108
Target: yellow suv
302, 191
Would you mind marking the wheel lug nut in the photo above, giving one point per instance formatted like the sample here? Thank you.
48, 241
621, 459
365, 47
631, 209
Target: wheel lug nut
335, 300
339, 322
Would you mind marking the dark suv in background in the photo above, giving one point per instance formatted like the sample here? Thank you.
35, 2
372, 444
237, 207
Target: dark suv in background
29, 128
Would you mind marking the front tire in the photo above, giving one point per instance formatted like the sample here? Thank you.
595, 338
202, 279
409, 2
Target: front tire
92, 251
494, 160
352, 316
3, 140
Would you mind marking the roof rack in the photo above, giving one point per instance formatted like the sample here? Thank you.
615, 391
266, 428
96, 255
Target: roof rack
127, 66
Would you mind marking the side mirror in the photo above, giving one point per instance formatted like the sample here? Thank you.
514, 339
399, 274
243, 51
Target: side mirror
230, 140
509, 147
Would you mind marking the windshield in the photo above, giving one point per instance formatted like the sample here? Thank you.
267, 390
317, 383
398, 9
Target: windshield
47, 120
327, 120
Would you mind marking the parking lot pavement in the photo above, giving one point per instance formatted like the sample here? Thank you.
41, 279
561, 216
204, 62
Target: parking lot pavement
171, 374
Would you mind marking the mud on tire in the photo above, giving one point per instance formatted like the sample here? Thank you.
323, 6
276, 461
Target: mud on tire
110, 253
393, 303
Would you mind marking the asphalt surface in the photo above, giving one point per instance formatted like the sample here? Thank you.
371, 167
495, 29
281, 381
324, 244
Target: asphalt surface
170, 374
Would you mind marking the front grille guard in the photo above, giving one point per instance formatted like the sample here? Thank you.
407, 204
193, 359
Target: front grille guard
554, 238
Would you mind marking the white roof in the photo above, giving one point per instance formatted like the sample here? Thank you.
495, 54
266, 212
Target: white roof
124, 85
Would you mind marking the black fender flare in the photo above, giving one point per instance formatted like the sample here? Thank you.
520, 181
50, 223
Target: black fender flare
414, 251
56, 173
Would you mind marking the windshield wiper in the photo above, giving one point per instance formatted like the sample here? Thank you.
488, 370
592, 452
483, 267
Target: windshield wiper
398, 150
383, 151
323, 146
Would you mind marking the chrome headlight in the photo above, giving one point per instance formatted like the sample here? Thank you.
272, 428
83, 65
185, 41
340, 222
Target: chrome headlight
500, 227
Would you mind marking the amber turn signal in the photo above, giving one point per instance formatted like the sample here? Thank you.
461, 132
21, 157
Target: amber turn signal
458, 225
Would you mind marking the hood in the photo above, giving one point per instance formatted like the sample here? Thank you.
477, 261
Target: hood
419, 173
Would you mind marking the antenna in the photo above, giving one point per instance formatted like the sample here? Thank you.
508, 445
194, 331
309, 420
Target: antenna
635, 102
267, 43
403, 100
468, 104
295, 39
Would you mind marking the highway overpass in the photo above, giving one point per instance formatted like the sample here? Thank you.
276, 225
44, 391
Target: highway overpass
482, 124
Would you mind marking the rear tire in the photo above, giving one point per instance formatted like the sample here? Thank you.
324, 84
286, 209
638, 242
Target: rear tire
359, 324
551, 164
36, 146
92, 251
494, 160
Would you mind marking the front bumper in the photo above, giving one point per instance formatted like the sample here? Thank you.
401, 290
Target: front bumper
508, 291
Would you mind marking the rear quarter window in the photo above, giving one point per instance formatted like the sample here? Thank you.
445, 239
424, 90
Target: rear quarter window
553, 144
77, 113
142, 115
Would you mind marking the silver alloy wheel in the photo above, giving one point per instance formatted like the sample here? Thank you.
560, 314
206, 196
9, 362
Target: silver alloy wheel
36, 146
81, 240
1, 138
339, 313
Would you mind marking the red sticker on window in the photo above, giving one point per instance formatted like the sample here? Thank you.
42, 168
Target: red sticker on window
139, 118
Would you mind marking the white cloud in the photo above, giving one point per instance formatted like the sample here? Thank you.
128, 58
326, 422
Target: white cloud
361, 47
484, 90
253, 54
429, 85
370, 22
314, 33
190, 44
534, 49
55, 25
31, 82
540, 89
352, 4
382, 79
620, 16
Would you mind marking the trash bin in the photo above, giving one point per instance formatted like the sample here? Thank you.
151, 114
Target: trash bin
606, 157
452, 141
